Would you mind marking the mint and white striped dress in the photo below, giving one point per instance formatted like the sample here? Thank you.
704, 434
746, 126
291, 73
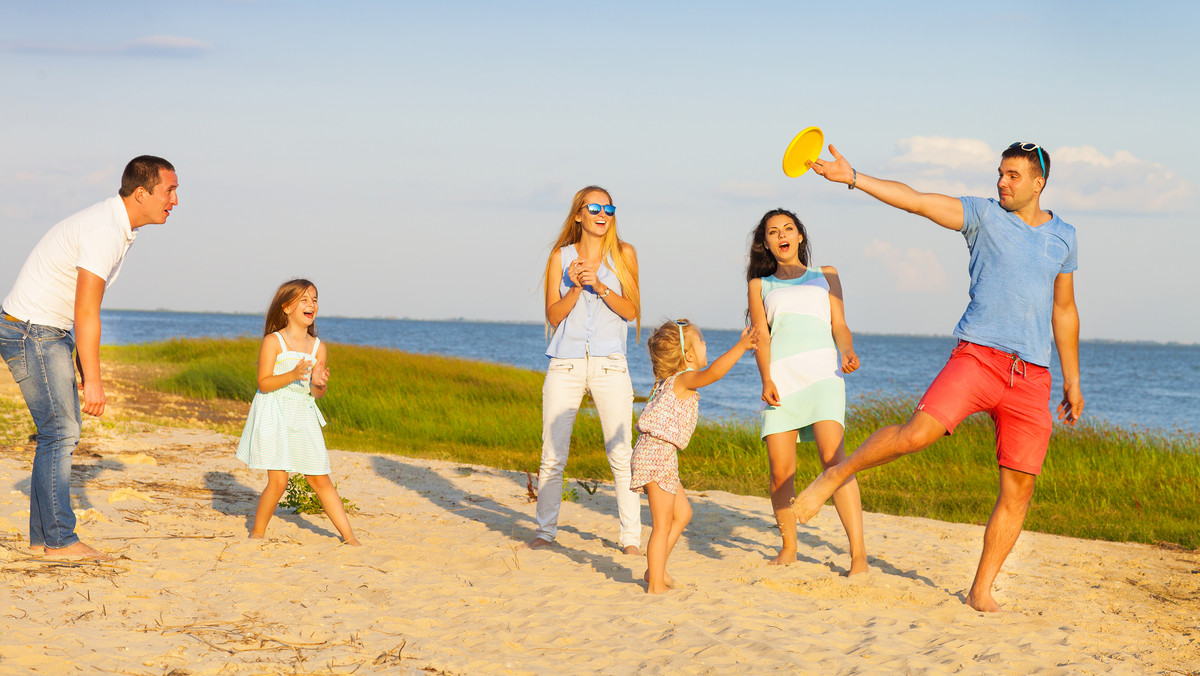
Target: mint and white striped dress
805, 366
283, 430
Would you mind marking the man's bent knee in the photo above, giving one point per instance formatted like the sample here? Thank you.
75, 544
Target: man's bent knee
919, 432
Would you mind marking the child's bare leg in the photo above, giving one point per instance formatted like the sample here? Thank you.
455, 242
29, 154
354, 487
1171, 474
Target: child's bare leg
662, 510
681, 515
781, 455
831, 449
268, 501
332, 502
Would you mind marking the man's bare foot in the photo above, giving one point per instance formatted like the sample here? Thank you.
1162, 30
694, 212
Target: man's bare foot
808, 504
982, 602
667, 579
632, 550
785, 557
857, 567
37, 549
79, 550
537, 543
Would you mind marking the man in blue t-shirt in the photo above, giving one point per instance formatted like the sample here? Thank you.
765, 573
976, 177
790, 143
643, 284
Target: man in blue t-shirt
1022, 290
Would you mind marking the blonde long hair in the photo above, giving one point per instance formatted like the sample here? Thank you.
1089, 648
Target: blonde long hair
611, 247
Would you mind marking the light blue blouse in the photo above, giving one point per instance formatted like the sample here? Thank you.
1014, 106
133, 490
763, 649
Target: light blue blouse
592, 328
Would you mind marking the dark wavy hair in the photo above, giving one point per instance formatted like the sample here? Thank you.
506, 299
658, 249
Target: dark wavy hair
762, 262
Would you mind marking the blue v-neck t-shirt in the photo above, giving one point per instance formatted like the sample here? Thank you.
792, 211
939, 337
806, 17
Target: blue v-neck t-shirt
1013, 266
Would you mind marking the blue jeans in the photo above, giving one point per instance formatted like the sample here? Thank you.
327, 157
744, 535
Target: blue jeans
40, 358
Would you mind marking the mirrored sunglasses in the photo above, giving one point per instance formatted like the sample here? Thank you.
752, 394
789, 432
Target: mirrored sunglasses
595, 209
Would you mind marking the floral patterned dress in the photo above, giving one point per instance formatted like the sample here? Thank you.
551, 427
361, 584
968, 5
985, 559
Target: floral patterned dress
664, 428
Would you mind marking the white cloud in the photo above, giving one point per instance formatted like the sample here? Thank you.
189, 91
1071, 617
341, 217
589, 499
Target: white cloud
1084, 179
912, 269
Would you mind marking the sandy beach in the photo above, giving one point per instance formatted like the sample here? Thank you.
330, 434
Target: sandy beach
442, 586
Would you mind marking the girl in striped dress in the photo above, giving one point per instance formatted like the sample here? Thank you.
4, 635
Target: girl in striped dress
283, 430
801, 306
665, 426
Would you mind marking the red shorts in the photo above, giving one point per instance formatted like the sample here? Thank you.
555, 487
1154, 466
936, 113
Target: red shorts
1014, 393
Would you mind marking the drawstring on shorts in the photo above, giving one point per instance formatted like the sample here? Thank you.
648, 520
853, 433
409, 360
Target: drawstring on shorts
1018, 367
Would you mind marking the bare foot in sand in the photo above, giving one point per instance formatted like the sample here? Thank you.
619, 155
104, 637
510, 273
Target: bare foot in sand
352, 541
983, 602
257, 536
784, 557
79, 550
632, 550
667, 579
37, 549
537, 543
857, 567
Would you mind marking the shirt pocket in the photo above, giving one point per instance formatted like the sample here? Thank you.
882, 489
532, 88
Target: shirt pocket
1055, 250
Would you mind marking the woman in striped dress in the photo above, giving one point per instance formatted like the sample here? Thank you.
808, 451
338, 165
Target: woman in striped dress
801, 307
283, 429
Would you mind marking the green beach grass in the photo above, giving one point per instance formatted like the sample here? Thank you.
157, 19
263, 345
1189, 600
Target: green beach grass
1099, 481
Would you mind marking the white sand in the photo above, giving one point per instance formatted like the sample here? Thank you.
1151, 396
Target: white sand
441, 585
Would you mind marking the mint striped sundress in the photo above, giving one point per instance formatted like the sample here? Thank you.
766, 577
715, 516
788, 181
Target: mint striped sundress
283, 430
805, 366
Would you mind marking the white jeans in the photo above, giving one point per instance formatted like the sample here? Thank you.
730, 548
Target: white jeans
607, 379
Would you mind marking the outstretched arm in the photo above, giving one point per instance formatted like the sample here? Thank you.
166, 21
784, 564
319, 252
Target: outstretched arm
1065, 322
941, 209
694, 380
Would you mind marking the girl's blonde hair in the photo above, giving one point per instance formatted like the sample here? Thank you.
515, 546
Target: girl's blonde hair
287, 293
612, 249
667, 354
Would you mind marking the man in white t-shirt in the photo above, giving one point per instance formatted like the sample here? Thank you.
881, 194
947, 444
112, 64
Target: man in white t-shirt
52, 311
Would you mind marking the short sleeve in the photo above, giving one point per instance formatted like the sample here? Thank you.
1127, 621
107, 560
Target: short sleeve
1071, 262
973, 210
99, 251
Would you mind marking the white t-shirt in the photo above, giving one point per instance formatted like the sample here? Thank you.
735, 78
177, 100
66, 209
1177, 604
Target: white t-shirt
95, 239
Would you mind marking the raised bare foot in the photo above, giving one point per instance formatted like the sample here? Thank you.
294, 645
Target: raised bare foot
537, 543
857, 567
667, 579
785, 557
983, 602
632, 550
808, 504
79, 550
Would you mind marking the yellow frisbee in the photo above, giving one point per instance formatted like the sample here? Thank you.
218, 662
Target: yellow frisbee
803, 149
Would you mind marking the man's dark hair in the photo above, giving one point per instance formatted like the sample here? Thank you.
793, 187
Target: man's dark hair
1032, 156
142, 172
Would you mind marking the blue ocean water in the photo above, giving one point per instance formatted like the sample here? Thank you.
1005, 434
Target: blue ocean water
1146, 385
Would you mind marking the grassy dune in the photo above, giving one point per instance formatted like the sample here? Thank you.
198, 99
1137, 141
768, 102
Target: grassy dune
1100, 481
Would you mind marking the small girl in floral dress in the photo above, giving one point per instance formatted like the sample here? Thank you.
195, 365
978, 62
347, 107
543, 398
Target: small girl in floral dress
665, 426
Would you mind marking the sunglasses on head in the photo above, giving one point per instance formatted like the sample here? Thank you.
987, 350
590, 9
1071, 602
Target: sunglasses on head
595, 209
1030, 147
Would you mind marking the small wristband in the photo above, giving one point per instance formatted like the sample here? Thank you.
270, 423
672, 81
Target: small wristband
853, 180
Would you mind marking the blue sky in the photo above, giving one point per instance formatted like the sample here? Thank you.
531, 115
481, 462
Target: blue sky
416, 159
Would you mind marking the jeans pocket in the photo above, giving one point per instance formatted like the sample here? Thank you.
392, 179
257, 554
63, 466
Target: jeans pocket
13, 352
